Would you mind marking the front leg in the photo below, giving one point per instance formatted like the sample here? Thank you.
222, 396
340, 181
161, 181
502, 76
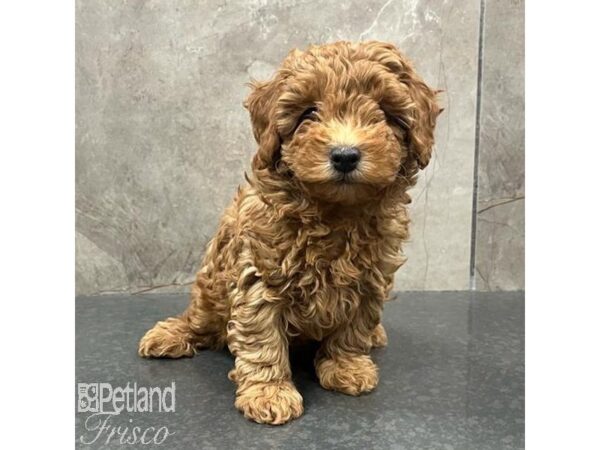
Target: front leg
265, 392
343, 363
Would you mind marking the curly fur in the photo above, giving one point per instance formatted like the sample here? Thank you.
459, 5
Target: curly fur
301, 253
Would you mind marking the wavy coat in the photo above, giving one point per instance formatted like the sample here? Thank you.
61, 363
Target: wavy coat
304, 252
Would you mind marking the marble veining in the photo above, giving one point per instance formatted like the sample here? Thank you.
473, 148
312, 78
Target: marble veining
162, 140
500, 228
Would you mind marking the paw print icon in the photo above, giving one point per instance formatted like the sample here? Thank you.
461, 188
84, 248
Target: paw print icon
87, 398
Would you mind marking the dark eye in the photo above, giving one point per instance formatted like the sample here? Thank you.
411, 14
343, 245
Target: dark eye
308, 114
398, 121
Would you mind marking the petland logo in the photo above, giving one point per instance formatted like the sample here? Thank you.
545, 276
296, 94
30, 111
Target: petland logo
106, 402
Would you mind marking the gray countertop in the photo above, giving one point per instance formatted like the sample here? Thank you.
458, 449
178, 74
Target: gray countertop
452, 377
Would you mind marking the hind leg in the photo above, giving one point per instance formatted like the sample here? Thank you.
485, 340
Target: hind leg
200, 326
170, 338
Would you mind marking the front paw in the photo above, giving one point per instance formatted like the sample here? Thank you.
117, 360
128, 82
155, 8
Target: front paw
379, 337
274, 403
352, 375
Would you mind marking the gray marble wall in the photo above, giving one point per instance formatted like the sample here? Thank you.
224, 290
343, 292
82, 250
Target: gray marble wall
163, 141
500, 215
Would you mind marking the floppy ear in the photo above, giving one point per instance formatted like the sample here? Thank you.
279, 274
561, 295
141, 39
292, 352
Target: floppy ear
424, 114
261, 106
419, 110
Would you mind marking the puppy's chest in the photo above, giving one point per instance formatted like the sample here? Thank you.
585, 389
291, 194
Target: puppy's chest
338, 258
327, 274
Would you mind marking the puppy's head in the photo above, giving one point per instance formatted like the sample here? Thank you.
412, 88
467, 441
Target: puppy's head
343, 121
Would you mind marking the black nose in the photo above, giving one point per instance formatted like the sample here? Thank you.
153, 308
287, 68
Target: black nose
344, 159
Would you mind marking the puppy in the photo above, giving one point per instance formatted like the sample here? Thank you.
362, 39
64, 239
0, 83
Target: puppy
309, 247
